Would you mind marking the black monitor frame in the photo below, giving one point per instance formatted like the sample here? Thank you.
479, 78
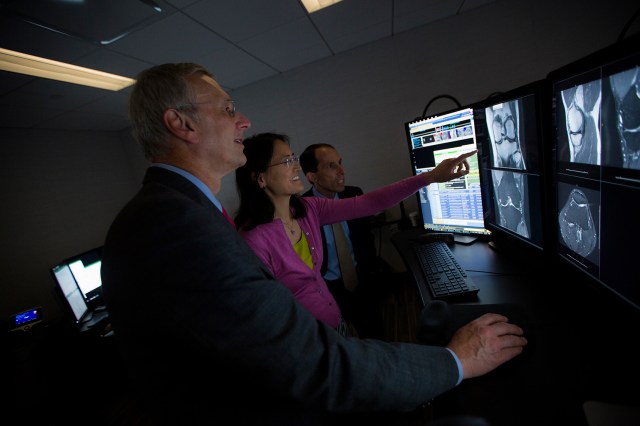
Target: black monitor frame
69, 291
428, 142
529, 230
92, 296
596, 187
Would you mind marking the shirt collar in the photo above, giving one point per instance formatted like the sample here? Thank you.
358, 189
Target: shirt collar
316, 193
194, 180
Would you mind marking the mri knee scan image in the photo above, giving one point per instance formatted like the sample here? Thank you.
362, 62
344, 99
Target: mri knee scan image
578, 228
582, 110
625, 87
503, 122
511, 201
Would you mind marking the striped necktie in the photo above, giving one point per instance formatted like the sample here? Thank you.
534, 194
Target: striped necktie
347, 268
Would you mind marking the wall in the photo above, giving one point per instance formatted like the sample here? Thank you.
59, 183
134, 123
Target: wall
360, 100
59, 195
62, 189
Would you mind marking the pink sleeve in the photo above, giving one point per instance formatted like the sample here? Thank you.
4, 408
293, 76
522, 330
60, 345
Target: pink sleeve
333, 210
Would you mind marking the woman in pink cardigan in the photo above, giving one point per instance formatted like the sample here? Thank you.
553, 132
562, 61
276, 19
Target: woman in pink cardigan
283, 229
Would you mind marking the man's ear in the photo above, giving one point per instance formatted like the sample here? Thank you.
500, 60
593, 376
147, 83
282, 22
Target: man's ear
179, 124
311, 177
259, 178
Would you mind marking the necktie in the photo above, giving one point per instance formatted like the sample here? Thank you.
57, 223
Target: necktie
347, 268
224, 212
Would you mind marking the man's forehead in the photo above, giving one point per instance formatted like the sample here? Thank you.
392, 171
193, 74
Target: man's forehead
206, 85
327, 154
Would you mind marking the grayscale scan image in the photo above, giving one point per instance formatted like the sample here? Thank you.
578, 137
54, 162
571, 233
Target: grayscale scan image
626, 93
510, 200
503, 120
582, 110
577, 226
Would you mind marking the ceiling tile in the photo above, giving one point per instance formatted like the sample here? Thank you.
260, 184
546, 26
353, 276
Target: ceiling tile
414, 13
241, 42
234, 23
234, 68
24, 37
354, 23
288, 46
93, 21
175, 39
113, 62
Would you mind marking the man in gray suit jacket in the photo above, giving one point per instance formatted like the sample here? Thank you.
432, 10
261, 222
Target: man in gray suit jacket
205, 331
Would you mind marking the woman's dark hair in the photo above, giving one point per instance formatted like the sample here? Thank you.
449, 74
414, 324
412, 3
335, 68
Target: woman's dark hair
256, 207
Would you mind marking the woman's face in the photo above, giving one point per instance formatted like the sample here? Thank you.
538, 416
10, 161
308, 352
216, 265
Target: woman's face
282, 177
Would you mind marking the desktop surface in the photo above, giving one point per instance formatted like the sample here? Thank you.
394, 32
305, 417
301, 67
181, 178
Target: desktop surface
580, 349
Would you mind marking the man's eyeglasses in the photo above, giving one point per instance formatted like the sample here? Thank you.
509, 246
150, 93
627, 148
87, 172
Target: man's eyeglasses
230, 106
287, 162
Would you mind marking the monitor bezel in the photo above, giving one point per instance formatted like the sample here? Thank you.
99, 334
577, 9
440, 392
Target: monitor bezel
603, 63
464, 236
93, 297
77, 319
502, 237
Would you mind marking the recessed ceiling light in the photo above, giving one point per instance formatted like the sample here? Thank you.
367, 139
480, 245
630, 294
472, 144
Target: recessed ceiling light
315, 5
46, 68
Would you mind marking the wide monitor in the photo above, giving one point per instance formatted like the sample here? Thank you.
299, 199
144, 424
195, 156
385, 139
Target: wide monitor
70, 290
454, 206
596, 131
78, 278
511, 131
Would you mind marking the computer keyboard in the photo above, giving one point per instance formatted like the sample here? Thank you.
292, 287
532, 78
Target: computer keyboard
443, 274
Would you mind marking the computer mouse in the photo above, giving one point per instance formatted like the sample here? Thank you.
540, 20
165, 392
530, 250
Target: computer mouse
433, 323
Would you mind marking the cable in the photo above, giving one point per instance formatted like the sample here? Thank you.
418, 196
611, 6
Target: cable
424, 113
627, 25
493, 95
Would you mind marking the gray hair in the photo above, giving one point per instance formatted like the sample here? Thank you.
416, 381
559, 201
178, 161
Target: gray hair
156, 90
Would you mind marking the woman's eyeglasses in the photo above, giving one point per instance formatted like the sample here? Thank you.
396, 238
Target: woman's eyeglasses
287, 162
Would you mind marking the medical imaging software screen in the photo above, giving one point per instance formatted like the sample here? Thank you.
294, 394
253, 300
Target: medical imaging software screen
454, 206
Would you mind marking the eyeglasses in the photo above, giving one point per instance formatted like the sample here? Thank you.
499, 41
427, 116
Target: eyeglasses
287, 162
230, 106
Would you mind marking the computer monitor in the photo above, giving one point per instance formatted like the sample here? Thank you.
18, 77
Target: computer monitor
511, 130
454, 206
596, 108
70, 290
80, 276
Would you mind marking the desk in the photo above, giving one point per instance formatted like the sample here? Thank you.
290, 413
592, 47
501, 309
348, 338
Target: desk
581, 348
56, 375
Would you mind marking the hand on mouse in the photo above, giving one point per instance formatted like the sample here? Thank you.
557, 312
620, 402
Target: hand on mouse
485, 343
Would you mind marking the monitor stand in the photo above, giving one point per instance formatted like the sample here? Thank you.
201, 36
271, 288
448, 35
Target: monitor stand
94, 318
464, 239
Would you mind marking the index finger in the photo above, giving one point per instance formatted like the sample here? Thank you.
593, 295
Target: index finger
491, 318
466, 155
